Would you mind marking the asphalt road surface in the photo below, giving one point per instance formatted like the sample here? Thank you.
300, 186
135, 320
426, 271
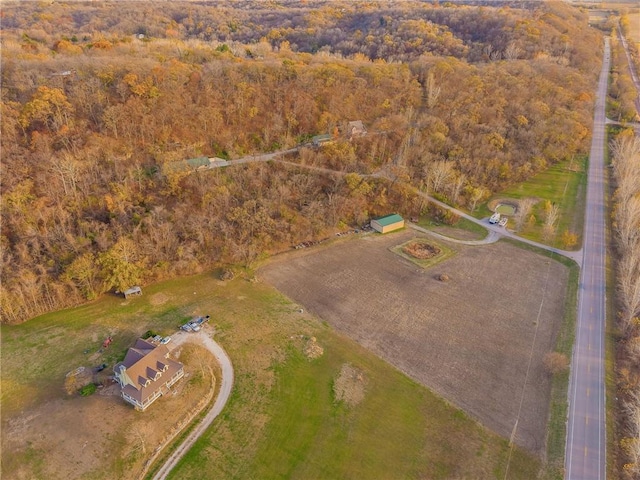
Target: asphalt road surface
585, 457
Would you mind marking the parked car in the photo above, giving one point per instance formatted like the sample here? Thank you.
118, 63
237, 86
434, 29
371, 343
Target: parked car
495, 218
165, 340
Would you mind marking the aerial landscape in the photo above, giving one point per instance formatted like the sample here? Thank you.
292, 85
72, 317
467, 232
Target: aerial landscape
320, 239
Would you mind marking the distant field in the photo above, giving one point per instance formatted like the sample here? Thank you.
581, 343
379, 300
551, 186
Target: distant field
469, 339
634, 26
283, 419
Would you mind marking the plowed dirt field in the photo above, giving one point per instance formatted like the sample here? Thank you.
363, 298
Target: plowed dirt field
478, 339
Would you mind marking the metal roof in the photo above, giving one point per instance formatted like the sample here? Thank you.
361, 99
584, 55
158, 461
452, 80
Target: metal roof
389, 219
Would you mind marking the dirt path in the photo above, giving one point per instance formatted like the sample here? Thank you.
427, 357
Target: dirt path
225, 391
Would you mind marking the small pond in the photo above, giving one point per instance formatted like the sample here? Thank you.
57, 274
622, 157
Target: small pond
506, 209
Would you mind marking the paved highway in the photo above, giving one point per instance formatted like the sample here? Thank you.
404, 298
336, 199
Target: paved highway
585, 457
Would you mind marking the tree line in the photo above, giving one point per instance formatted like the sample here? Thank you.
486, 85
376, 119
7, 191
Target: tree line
93, 112
626, 226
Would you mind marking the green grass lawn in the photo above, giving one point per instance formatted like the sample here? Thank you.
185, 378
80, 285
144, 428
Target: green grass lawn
282, 420
563, 184
473, 230
298, 430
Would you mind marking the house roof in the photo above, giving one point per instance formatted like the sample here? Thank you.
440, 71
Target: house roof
356, 126
147, 368
137, 353
389, 219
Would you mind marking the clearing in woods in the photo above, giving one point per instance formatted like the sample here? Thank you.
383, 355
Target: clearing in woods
301, 407
470, 339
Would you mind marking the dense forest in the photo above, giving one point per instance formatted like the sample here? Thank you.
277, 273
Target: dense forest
98, 99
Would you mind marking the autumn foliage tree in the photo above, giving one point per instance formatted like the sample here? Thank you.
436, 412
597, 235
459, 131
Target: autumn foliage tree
103, 106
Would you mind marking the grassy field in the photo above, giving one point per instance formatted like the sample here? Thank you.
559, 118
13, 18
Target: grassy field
282, 421
634, 27
49, 434
563, 184
399, 430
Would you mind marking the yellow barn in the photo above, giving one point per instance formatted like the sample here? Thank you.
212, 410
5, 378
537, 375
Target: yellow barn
388, 223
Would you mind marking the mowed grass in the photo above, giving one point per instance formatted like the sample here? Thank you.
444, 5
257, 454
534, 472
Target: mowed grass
399, 430
463, 229
37, 354
634, 27
282, 420
563, 184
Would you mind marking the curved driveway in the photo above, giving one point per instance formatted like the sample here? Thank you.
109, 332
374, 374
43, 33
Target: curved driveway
497, 231
221, 400
492, 237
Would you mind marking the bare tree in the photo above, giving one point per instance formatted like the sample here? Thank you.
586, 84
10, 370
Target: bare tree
629, 287
512, 52
627, 223
552, 212
455, 186
522, 212
439, 176
68, 169
433, 91
631, 444
626, 162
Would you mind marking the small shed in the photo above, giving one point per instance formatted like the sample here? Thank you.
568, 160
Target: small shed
130, 292
388, 223
356, 129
